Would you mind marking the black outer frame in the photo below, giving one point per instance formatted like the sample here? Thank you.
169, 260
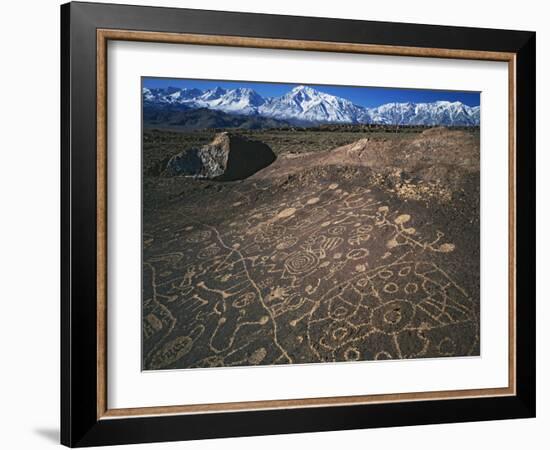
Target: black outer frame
79, 423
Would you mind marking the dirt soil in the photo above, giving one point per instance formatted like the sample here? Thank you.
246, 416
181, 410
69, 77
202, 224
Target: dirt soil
363, 250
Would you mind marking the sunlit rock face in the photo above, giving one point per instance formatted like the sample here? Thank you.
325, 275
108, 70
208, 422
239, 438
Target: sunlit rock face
226, 158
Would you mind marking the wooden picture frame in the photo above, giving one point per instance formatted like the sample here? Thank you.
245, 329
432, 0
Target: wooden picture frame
86, 418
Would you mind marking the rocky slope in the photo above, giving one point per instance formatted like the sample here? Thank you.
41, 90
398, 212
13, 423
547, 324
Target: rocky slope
369, 251
432, 163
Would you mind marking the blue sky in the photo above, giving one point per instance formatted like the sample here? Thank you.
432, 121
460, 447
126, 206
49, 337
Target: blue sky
364, 96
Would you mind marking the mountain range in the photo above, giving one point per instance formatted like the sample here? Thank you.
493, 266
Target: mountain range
306, 105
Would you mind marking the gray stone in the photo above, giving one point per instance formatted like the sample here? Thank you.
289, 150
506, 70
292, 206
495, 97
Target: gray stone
227, 158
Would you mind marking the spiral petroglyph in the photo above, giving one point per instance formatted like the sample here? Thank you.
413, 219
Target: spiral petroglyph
301, 262
312, 261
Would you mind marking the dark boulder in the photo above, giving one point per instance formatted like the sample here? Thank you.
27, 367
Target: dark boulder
227, 158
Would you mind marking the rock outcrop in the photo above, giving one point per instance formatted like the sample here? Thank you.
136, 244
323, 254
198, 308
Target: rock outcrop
424, 154
227, 158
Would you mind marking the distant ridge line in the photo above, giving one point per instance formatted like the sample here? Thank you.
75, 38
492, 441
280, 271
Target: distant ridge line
304, 104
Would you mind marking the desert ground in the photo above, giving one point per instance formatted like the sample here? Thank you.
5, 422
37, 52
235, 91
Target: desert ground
351, 245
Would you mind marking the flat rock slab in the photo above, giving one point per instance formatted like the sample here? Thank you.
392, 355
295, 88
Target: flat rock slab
322, 266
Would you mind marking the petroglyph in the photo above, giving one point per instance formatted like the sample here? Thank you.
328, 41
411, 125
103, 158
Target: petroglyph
326, 268
348, 247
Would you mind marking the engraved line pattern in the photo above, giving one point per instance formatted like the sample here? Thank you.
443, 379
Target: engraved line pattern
328, 273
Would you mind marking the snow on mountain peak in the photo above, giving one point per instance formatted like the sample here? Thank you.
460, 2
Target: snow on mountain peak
306, 104
213, 94
302, 88
240, 100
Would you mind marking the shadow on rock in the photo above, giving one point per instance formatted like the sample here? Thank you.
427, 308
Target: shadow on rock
226, 158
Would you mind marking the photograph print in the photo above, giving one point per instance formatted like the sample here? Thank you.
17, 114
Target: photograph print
299, 224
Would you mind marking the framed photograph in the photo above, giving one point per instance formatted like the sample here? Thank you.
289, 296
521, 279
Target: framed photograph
277, 224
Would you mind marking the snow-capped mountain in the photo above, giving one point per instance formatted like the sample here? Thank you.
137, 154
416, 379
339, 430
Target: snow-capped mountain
440, 113
239, 101
170, 95
305, 104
